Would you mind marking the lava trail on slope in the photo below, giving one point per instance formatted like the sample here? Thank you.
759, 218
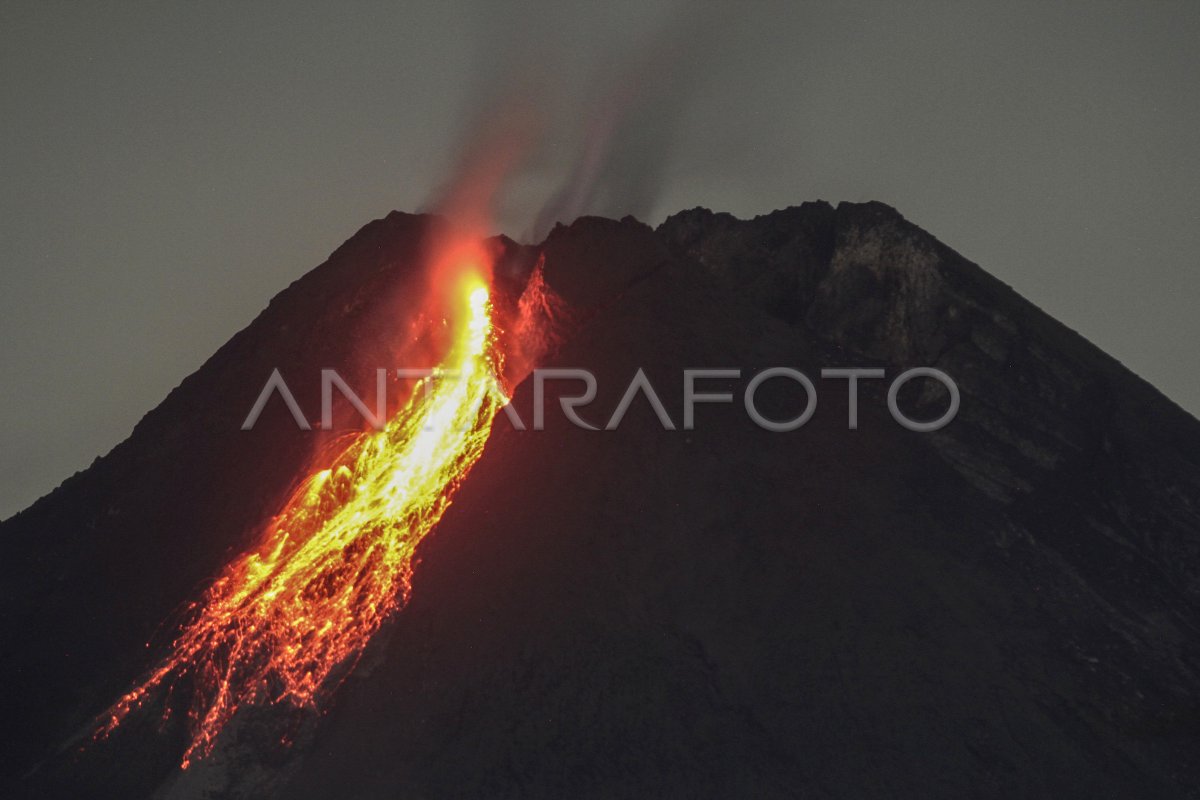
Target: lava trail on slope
285, 620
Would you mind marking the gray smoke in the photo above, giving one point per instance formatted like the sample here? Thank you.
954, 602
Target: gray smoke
639, 103
579, 133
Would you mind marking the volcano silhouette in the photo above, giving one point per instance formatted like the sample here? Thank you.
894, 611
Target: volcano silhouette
1006, 607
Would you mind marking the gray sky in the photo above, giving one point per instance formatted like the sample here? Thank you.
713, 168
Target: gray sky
167, 169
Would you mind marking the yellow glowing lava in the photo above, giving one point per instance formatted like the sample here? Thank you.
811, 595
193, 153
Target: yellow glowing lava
282, 619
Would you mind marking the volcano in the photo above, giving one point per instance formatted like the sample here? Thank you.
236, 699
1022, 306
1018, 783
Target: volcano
1005, 606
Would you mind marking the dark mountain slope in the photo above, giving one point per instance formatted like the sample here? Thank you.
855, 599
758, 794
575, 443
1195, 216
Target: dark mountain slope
1005, 607
91, 571
729, 612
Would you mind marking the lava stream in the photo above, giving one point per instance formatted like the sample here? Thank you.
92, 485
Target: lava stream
331, 566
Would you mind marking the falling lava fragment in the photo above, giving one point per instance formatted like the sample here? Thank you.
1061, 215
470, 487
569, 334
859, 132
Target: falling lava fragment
281, 619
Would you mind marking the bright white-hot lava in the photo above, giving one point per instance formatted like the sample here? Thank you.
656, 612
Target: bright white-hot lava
283, 620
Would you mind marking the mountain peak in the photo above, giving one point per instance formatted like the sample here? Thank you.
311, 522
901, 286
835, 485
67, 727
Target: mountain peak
1005, 607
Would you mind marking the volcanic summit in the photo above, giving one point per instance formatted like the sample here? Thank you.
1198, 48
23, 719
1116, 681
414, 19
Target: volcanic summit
1005, 606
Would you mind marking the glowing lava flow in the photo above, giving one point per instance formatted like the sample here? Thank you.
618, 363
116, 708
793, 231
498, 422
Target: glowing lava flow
337, 560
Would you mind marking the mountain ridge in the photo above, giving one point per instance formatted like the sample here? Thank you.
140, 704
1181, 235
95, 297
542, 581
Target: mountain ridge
1068, 472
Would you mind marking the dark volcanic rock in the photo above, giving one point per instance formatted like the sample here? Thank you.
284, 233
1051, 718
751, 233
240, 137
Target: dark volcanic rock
91, 572
1006, 607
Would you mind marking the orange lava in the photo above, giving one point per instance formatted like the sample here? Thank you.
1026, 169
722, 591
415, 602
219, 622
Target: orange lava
285, 619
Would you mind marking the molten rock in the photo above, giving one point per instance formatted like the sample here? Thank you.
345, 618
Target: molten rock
1006, 607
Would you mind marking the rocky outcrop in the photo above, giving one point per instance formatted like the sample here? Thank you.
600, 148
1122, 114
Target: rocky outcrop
1045, 408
